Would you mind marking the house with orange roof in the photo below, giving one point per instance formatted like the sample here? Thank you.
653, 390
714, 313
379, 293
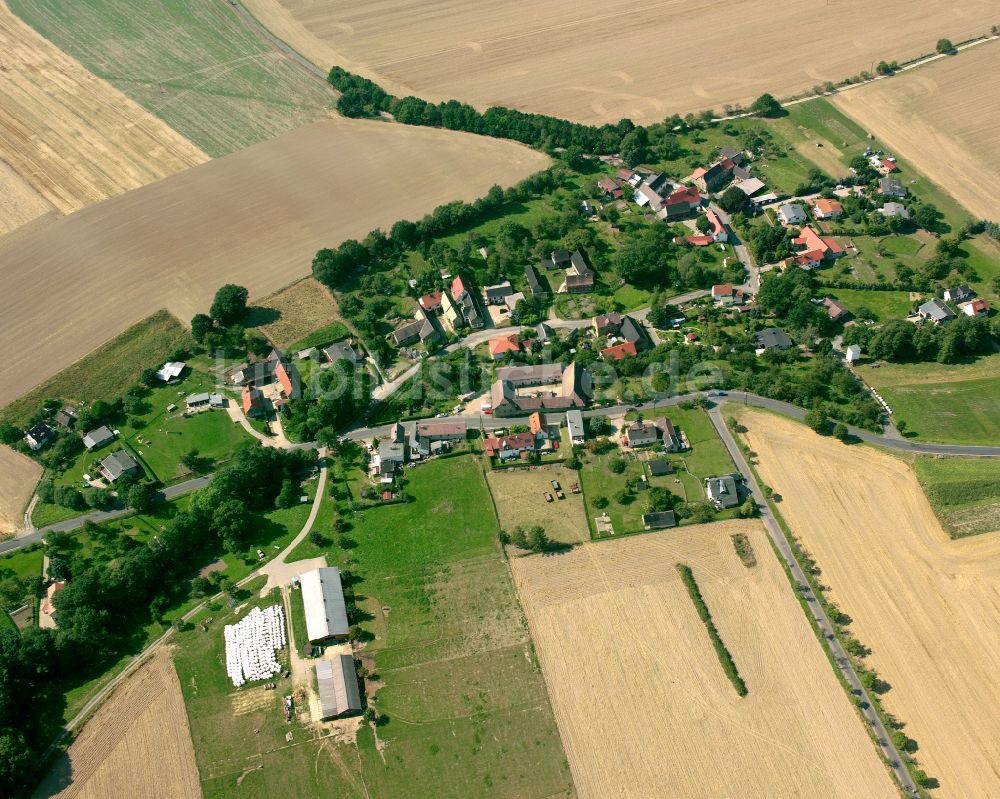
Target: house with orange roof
54, 588
619, 352
253, 401
693, 241
812, 249
827, 209
726, 295
717, 230
976, 307
501, 345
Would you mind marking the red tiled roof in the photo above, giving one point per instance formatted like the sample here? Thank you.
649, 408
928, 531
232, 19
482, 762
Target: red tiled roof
431, 301
827, 207
504, 344
458, 288
687, 196
619, 352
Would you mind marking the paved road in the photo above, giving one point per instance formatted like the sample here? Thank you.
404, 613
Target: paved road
840, 657
752, 284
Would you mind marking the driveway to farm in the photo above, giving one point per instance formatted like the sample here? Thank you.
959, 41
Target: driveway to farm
815, 608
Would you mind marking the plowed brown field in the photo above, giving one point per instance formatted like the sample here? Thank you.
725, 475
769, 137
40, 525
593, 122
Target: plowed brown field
18, 477
601, 60
643, 706
927, 606
67, 138
255, 218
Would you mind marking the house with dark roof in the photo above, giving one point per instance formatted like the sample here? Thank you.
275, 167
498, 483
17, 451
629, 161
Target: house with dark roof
791, 214
891, 187
532, 278
959, 293
38, 436
407, 333
660, 520
558, 259
429, 433
65, 416
96, 439
118, 464
344, 351
659, 468
495, 295
575, 389
712, 178
773, 338
392, 455
723, 492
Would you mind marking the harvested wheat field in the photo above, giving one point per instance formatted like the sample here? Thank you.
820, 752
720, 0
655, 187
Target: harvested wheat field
519, 494
67, 138
643, 705
938, 118
927, 606
18, 477
599, 61
137, 744
256, 218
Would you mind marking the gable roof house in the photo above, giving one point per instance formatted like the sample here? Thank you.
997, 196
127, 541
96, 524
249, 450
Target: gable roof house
430, 302
751, 186
659, 520
935, 311
717, 230
252, 401
407, 333
959, 293
118, 464
325, 609
534, 282
556, 260
834, 309
287, 376
827, 209
640, 434
495, 295
450, 312
428, 433
610, 188
634, 333
726, 295
38, 436
98, 438
679, 204
646, 195
575, 389
65, 416
391, 455
712, 178
791, 214
977, 307
891, 187
812, 250
579, 275
466, 303
605, 324
577, 431
170, 371
509, 447
619, 352
723, 491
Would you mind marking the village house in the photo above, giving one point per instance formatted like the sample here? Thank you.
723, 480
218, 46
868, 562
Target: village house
252, 402
958, 293
643, 434
509, 447
429, 434
693, 241
610, 188
935, 311
408, 333
812, 250
659, 520
619, 352
535, 287
96, 439
791, 214
464, 300
623, 327
606, 324
726, 295
196, 402
558, 259
646, 195
751, 186
38, 436
772, 338
714, 177
392, 455
344, 351
894, 210
117, 465
827, 209
836, 311
325, 609
723, 492
577, 430
502, 345
430, 302
495, 295
716, 230
579, 275
891, 187
65, 416
683, 202
170, 371
974, 308
571, 388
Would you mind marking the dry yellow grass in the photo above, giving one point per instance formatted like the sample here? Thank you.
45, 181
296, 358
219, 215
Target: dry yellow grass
67, 138
137, 744
18, 477
938, 118
600, 60
256, 218
304, 307
927, 606
643, 706
519, 496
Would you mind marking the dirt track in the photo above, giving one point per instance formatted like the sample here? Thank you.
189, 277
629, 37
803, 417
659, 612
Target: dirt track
256, 218
67, 138
601, 60
643, 706
927, 606
137, 745
938, 118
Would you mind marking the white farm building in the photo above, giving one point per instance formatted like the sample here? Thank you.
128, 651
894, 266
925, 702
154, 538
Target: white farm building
338, 687
323, 599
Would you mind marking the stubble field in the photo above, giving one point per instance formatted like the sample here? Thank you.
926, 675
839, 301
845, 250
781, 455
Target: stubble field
926, 605
643, 705
67, 138
601, 61
18, 477
938, 118
137, 744
255, 218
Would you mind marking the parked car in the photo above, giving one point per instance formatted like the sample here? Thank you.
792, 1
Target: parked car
548, 496
555, 485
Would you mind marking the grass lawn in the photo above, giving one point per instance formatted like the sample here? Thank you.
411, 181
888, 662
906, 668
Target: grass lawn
108, 370
885, 305
964, 492
463, 703
195, 65
949, 404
